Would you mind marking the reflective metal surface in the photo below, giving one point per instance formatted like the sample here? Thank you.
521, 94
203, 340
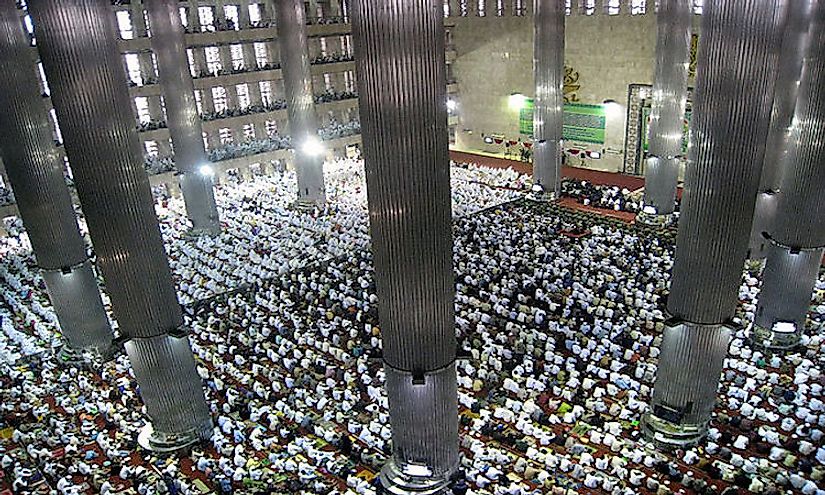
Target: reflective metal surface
303, 125
794, 45
684, 395
75, 297
736, 74
667, 111
787, 287
799, 230
171, 389
548, 71
182, 117
35, 171
80, 56
400, 65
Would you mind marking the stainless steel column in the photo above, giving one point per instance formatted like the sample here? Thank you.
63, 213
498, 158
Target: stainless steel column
399, 47
548, 71
737, 64
182, 115
667, 112
80, 56
794, 44
303, 126
798, 235
35, 171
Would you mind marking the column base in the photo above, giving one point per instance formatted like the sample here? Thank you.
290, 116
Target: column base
69, 356
781, 339
396, 481
542, 197
655, 220
166, 444
308, 205
196, 232
667, 435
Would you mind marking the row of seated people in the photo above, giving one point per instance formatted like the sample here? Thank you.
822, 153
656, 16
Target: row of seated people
561, 315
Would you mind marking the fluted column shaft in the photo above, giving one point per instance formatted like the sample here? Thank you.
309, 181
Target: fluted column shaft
668, 109
78, 48
798, 235
399, 46
548, 110
297, 76
794, 44
182, 115
35, 171
737, 64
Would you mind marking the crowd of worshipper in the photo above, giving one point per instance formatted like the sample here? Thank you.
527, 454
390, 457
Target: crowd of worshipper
157, 164
331, 95
238, 68
558, 312
602, 196
6, 196
333, 58
268, 106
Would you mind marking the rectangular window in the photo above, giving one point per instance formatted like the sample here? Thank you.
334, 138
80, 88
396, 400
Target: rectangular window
464, 8
133, 68
613, 7
44, 84
322, 47
500, 8
27, 21
199, 101
151, 148
248, 132
190, 57
266, 92
567, 7
255, 14
230, 12
124, 25
349, 81
225, 135
261, 57
518, 8
589, 7
236, 52
206, 18
327, 81
271, 128
219, 98
213, 59
243, 95
142, 106
446, 6
638, 7
184, 16
481, 6
697, 6
58, 136
146, 22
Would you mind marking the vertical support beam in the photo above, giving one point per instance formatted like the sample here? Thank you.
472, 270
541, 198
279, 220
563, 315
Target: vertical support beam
737, 70
798, 235
399, 47
548, 70
732, 106
667, 112
182, 116
35, 171
307, 146
794, 45
78, 48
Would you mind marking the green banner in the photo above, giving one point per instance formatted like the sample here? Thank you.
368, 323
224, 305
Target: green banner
583, 123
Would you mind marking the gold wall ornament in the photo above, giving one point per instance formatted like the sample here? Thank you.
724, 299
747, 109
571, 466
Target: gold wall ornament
694, 49
571, 85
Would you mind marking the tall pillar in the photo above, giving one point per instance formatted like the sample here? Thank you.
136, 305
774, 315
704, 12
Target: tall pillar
399, 46
798, 235
35, 171
548, 70
667, 112
787, 85
78, 48
182, 116
309, 153
736, 75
